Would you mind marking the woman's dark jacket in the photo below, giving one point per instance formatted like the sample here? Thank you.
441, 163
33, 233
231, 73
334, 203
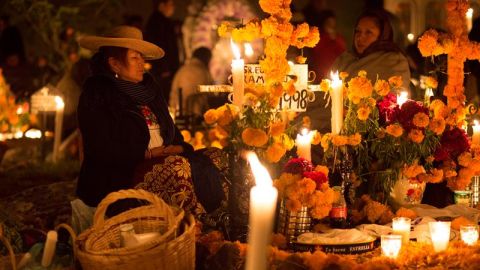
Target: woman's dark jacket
115, 136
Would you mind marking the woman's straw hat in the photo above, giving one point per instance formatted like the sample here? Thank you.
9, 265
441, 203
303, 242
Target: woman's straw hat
125, 37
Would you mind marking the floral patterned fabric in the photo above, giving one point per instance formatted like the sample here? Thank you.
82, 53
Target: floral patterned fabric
171, 179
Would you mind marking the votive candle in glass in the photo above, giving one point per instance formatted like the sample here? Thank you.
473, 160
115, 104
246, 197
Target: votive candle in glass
401, 226
391, 245
440, 234
469, 234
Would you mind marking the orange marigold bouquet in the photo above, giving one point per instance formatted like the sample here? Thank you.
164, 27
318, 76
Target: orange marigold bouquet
258, 125
13, 117
302, 184
387, 139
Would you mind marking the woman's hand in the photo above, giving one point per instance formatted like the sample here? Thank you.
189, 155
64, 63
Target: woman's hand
166, 150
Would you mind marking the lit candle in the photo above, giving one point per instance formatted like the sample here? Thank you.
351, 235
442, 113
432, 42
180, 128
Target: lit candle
440, 235
248, 50
476, 133
469, 16
304, 142
58, 127
49, 249
391, 245
263, 201
401, 226
469, 234
336, 94
428, 94
402, 98
237, 75
411, 37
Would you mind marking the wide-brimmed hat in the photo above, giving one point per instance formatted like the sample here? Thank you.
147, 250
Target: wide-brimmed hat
125, 37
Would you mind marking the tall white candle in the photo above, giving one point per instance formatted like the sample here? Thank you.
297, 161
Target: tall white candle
49, 248
469, 17
263, 201
336, 93
476, 133
401, 226
440, 235
58, 127
402, 98
237, 75
303, 142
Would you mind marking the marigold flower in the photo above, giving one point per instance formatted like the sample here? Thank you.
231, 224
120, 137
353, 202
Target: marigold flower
306, 122
343, 75
325, 141
437, 125
395, 81
226, 114
293, 205
363, 113
405, 212
322, 169
254, 137
421, 120
355, 139
416, 135
275, 152
437, 176
465, 159
395, 130
300, 59
316, 138
223, 29
325, 85
290, 87
431, 82
186, 135
277, 128
413, 170
362, 73
339, 140
287, 142
382, 87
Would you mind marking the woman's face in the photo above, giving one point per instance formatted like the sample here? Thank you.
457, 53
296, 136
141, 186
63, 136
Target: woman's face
366, 33
133, 68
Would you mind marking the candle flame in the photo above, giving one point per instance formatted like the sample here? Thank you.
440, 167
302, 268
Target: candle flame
402, 98
410, 37
235, 49
19, 110
469, 13
59, 102
262, 177
248, 49
336, 82
33, 134
475, 122
304, 131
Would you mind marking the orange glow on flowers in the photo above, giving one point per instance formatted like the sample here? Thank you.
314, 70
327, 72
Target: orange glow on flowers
339, 140
363, 113
382, 87
421, 120
325, 85
355, 139
416, 135
317, 137
275, 152
431, 82
277, 128
395, 81
413, 170
254, 137
343, 75
437, 125
186, 135
394, 130
405, 212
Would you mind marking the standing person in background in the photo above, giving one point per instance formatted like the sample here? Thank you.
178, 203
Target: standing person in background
398, 32
193, 73
330, 46
11, 41
160, 30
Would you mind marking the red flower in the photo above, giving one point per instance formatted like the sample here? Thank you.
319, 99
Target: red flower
407, 112
318, 177
387, 108
410, 192
452, 144
298, 166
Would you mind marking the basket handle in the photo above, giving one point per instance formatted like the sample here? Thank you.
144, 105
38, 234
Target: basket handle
99, 217
9, 248
73, 235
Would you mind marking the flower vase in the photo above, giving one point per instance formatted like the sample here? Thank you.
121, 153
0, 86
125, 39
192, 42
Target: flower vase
242, 181
292, 224
407, 191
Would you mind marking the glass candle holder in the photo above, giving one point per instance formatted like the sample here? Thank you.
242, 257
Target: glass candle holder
469, 234
440, 235
391, 245
401, 226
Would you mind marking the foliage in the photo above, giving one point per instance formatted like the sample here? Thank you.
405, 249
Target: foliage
258, 124
13, 117
49, 21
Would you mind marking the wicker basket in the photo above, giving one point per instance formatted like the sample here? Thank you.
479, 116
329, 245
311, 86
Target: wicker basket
292, 224
99, 247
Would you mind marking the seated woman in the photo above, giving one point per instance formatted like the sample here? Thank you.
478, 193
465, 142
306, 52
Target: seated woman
129, 138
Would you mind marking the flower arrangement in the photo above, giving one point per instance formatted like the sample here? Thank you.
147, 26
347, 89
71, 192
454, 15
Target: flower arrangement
13, 117
258, 125
301, 184
411, 140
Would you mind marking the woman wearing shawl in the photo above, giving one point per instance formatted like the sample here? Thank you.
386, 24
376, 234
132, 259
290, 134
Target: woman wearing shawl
374, 50
129, 138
